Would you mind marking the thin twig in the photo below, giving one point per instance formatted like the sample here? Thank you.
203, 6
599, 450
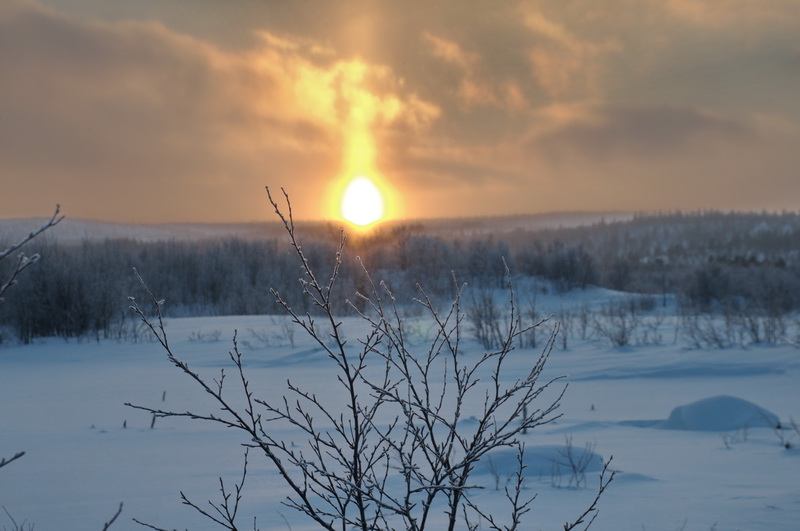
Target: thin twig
113, 518
4, 461
24, 261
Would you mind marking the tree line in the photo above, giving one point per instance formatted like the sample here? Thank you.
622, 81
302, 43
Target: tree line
712, 261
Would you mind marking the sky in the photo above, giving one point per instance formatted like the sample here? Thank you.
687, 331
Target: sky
183, 111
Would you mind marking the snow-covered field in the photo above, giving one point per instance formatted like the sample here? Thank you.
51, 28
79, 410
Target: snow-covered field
709, 466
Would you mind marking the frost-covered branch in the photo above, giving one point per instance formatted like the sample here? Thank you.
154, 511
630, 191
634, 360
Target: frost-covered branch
592, 509
388, 444
24, 261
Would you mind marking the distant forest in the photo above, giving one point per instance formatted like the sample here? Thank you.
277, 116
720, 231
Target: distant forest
712, 261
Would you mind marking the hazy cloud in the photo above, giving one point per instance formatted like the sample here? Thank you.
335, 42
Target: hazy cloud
129, 107
141, 111
742, 15
563, 64
599, 132
474, 86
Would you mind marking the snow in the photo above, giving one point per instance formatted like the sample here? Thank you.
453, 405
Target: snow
540, 461
719, 413
719, 464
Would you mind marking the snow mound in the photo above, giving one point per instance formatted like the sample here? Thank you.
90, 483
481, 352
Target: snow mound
718, 413
544, 460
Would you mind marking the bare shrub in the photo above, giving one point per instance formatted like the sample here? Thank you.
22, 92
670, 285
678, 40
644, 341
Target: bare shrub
735, 437
583, 315
737, 324
486, 318
354, 470
762, 327
705, 330
574, 461
496, 472
283, 333
795, 340
287, 331
617, 322
532, 313
651, 329
775, 328
135, 332
210, 336
565, 318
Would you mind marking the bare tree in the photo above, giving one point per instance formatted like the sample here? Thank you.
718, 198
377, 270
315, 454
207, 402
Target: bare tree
394, 450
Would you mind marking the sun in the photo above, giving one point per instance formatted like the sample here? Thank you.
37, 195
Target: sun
362, 202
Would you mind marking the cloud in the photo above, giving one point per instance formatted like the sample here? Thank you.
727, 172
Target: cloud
736, 14
604, 156
451, 52
154, 122
564, 65
598, 132
473, 87
121, 112
600, 157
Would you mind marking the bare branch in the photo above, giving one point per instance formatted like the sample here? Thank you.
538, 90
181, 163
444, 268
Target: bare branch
145, 524
54, 220
24, 261
107, 525
393, 443
4, 461
592, 509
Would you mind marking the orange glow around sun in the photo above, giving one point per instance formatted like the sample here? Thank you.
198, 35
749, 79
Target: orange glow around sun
360, 196
362, 202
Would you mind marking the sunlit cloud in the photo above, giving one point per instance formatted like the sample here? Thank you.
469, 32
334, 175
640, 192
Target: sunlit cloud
565, 65
136, 106
473, 88
509, 107
451, 52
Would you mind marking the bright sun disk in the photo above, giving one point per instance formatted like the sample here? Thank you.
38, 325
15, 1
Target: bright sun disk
362, 203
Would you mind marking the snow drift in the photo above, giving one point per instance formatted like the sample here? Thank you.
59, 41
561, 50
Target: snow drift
718, 413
